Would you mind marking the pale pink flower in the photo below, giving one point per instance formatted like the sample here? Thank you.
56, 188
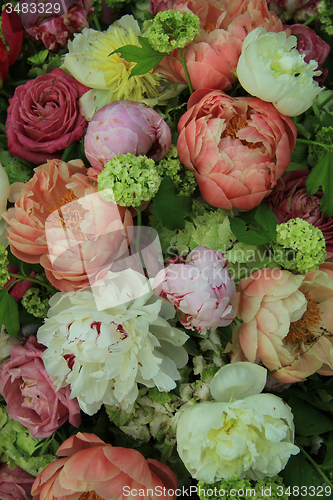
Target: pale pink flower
91, 468
200, 288
287, 322
237, 148
15, 484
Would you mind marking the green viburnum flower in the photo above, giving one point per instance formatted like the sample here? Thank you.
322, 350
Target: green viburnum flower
270, 488
181, 176
299, 246
323, 136
326, 19
4, 275
129, 180
17, 446
172, 30
34, 304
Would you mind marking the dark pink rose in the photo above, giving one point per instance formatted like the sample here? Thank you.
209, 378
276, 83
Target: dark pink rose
299, 10
32, 398
44, 118
312, 46
55, 28
15, 484
289, 200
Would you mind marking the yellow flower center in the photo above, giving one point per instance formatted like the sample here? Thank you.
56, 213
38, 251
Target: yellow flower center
235, 124
71, 221
301, 330
90, 495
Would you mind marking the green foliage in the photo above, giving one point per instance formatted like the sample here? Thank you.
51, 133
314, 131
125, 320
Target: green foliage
18, 170
181, 176
145, 56
322, 176
171, 208
270, 488
172, 29
255, 227
9, 314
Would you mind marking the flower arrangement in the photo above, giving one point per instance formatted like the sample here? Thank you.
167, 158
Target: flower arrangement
166, 272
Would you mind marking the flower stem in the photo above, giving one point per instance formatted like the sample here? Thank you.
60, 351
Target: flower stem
33, 280
137, 245
182, 58
315, 465
319, 14
96, 23
306, 141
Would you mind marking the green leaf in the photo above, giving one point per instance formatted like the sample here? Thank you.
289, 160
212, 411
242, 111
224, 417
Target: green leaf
308, 420
9, 315
255, 227
171, 208
328, 462
322, 175
145, 56
39, 58
297, 473
159, 397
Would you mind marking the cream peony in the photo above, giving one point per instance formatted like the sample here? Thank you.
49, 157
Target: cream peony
250, 437
271, 68
104, 354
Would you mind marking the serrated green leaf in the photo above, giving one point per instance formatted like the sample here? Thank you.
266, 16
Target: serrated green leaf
255, 227
308, 420
145, 56
171, 208
159, 397
9, 315
39, 58
322, 175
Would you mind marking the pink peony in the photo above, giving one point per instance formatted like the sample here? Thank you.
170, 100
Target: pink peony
57, 27
93, 225
237, 148
287, 322
156, 6
93, 470
212, 58
15, 484
31, 396
200, 288
290, 200
312, 46
43, 117
126, 127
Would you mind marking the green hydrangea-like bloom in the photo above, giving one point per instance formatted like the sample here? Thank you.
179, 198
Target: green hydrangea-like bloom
181, 176
326, 19
172, 30
129, 180
4, 275
270, 488
299, 246
32, 302
323, 136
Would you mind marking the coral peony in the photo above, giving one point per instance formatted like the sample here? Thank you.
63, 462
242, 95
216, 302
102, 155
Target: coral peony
287, 321
43, 117
290, 200
126, 127
32, 398
212, 58
15, 484
88, 236
56, 28
237, 148
200, 288
90, 468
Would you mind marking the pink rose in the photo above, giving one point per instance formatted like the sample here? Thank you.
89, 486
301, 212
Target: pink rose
15, 484
56, 28
31, 396
200, 288
92, 469
126, 127
312, 46
93, 225
212, 58
44, 118
290, 200
236, 148
287, 322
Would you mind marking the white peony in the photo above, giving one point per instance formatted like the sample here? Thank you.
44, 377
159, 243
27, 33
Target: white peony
271, 68
103, 355
250, 437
